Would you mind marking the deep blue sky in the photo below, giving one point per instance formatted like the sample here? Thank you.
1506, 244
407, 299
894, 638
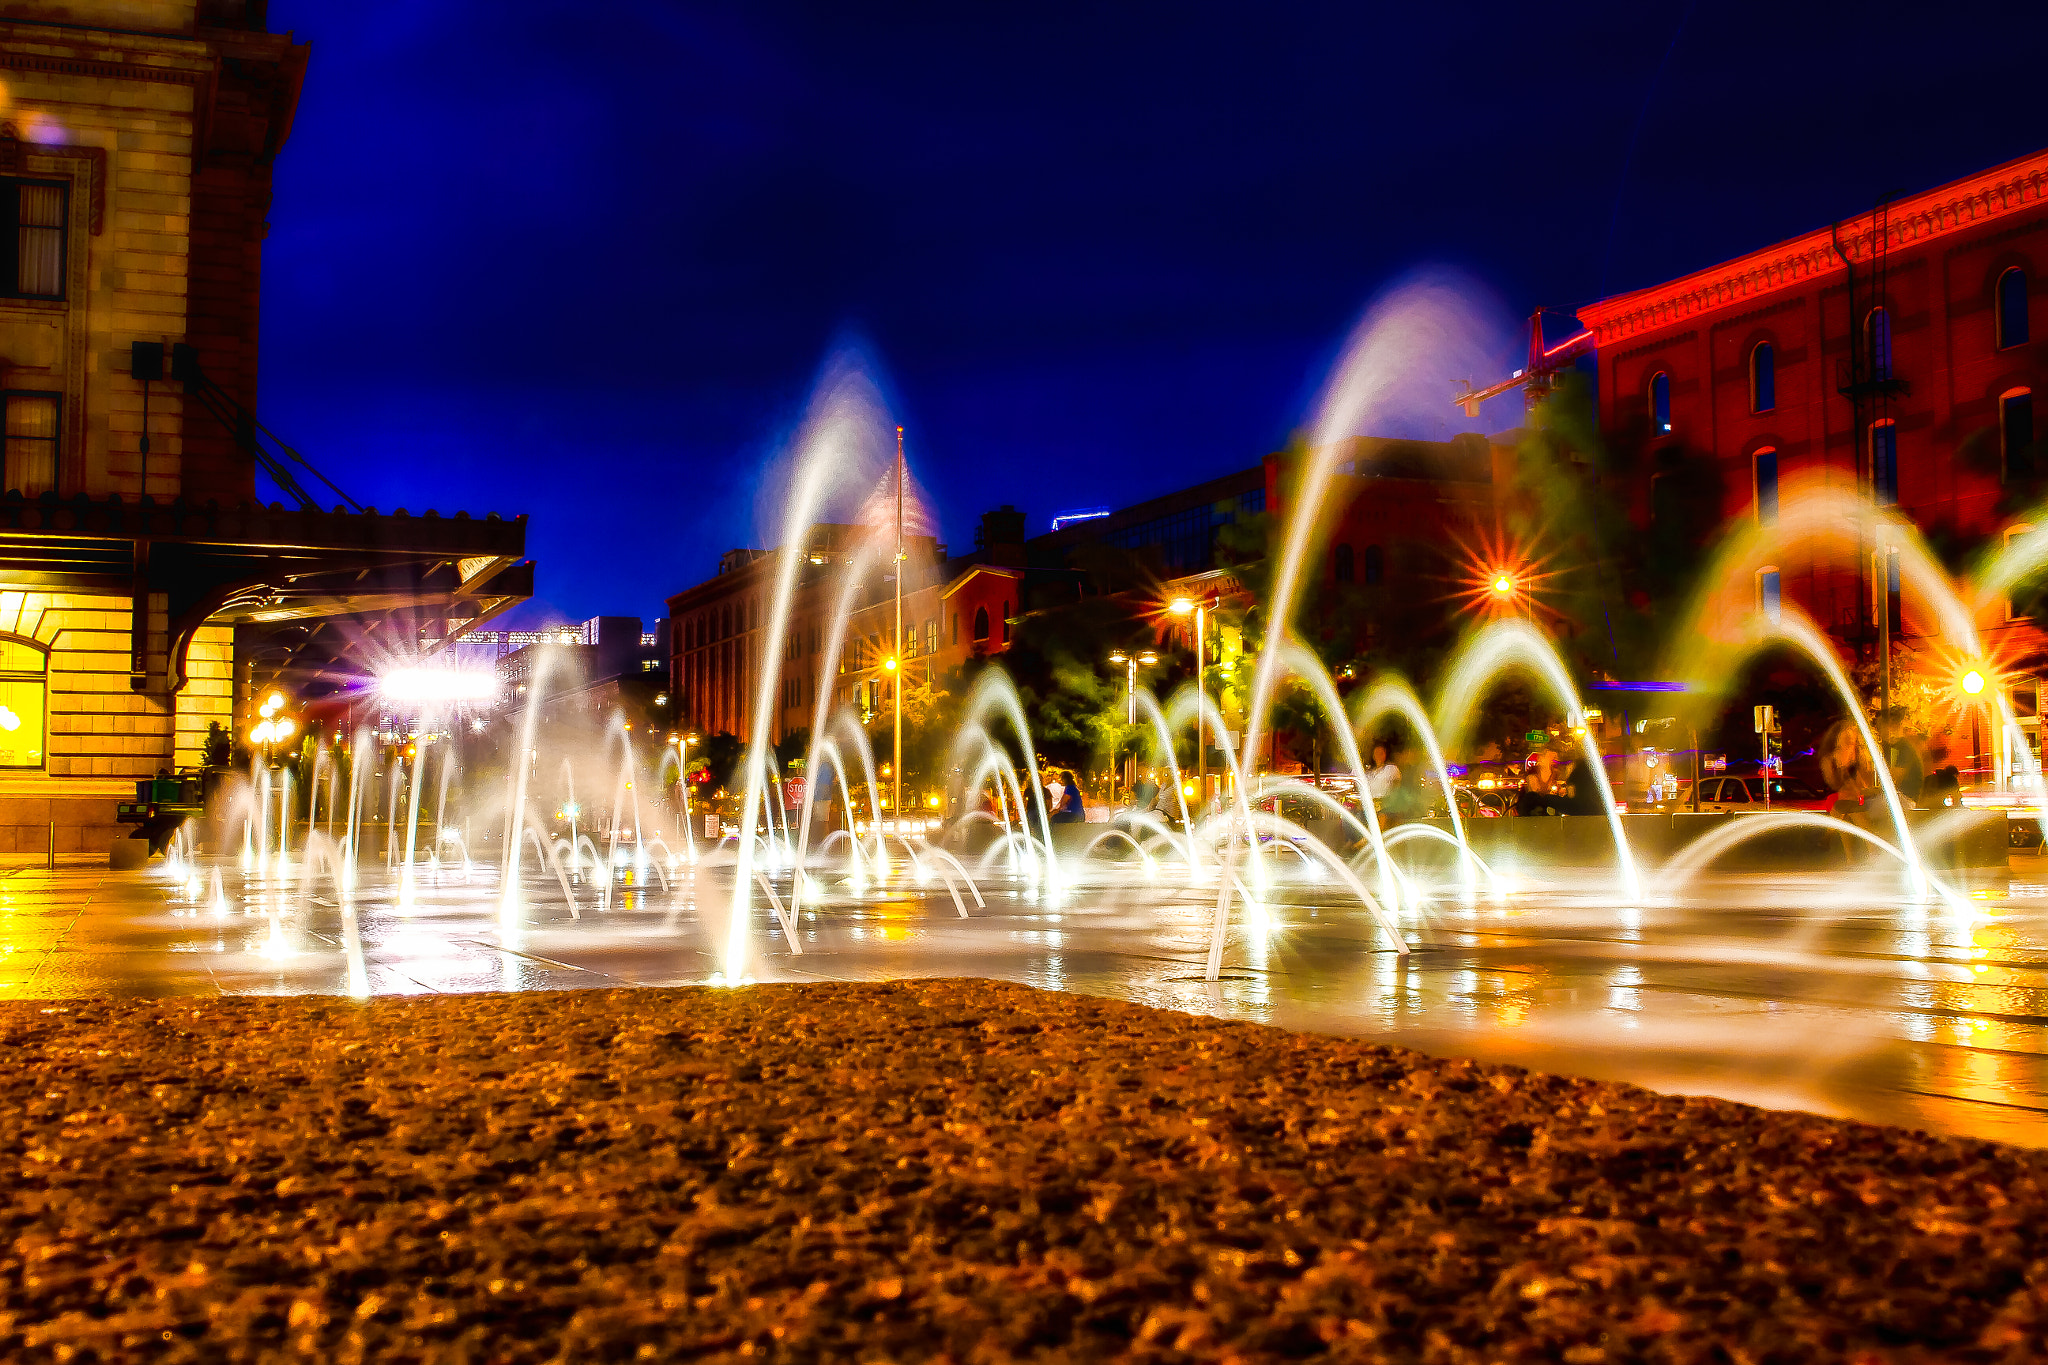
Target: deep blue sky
583, 260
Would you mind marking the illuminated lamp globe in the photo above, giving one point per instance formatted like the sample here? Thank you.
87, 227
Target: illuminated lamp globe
1503, 584
1181, 606
1973, 682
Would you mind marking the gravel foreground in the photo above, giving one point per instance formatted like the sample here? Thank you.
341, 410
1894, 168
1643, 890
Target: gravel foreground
961, 1170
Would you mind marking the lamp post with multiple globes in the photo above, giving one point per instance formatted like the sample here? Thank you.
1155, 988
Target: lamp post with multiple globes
1131, 661
1187, 606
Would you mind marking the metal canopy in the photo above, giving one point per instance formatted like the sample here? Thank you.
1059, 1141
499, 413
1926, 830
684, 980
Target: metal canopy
313, 595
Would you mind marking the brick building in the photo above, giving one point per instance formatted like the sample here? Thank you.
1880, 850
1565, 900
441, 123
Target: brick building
1895, 355
954, 609
143, 593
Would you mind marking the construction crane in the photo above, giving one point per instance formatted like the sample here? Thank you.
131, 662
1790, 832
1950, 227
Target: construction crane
1539, 376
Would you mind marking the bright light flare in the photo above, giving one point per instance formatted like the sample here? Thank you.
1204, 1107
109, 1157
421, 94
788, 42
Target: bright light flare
437, 685
1496, 576
1973, 682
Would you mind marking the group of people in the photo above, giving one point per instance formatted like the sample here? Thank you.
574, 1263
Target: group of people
1851, 776
1063, 805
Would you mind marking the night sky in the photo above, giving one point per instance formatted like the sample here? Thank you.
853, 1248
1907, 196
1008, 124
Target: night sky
584, 260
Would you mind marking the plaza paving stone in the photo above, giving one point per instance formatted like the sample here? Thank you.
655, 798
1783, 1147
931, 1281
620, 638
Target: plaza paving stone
958, 1169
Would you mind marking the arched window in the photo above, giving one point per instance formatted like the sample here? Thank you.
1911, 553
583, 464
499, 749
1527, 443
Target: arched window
1763, 378
1375, 566
2012, 308
1343, 564
1884, 462
1877, 339
2016, 433
24, 677
1769, 593
980, 624
1660, 402
1766, 487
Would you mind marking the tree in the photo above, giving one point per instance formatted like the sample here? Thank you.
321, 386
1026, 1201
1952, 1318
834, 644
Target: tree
720, 760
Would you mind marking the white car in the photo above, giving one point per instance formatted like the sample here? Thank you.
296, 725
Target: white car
1747, 793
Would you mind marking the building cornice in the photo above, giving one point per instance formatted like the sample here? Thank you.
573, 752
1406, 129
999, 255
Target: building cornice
1959, 206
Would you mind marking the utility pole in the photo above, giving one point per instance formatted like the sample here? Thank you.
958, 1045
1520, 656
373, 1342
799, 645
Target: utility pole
896, 797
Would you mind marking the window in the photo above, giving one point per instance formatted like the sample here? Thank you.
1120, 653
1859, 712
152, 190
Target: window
1884, 462
31, 457
1006, 623
24, 673
1343, 563
1763, 378
1767, 487
931, 635
36, 236
980, 624
2011, 323
1375, 566
1660, 402
1877, 339
1768, 595
2016, 434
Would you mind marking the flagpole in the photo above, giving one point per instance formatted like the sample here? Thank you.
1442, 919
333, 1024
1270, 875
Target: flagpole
896, 799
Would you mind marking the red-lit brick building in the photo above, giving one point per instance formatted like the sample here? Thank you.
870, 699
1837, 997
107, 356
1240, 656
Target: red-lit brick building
954, 609
1894, 355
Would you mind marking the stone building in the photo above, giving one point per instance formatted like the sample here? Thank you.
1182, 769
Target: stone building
144, 592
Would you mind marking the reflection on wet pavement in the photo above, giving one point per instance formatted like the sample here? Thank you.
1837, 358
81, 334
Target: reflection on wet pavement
1820, 992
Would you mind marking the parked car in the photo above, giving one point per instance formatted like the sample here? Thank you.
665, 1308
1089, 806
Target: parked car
1747, 793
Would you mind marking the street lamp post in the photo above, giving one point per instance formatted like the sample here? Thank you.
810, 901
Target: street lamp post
1183, 606
1130, 663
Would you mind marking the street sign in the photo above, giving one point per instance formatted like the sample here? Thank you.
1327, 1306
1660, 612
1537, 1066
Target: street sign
1766, 719
1538, 736
792, 793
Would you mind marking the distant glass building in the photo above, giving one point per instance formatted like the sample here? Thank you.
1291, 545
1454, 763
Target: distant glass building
1179, 528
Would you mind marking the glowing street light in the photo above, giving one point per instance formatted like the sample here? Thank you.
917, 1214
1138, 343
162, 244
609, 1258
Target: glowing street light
437, 685
889, 664
1503, 584
1130, 663
1973, 682
1185, 606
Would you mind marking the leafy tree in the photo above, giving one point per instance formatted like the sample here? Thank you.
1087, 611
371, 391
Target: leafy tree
720, 757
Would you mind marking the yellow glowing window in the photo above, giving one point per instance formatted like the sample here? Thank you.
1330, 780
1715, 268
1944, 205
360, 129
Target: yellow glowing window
23, 679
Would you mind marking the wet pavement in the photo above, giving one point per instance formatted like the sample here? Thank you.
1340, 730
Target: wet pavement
1831, 992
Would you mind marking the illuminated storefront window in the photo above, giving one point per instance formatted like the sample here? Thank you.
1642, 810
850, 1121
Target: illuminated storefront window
24, 680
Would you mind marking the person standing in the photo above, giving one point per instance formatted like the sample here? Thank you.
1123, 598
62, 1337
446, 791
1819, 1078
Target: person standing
1846, 770
1383, 776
